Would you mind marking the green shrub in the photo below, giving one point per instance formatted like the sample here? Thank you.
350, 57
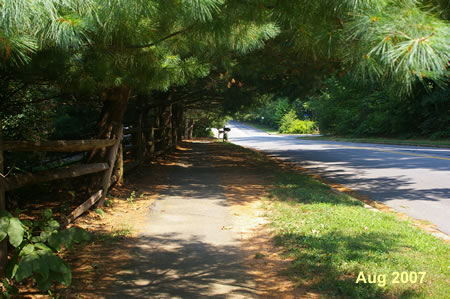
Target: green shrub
37, 244
289, 124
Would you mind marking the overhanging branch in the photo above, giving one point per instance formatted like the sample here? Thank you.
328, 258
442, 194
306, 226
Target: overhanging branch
161, 40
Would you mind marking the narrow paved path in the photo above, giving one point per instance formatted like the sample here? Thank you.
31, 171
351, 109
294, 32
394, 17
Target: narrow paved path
187, 249
412, 180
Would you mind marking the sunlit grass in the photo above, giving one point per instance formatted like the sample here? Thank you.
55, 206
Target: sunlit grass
267, 129
332, 238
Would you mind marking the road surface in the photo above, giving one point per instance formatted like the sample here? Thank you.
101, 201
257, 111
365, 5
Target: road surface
412, 180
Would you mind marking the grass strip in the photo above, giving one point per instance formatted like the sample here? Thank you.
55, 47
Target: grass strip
264, 128
332, 239
414, 142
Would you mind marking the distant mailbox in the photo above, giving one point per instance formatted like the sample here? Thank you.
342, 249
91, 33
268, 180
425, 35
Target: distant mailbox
227, 129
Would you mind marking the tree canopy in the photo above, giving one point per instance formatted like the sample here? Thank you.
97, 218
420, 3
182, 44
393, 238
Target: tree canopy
217, 51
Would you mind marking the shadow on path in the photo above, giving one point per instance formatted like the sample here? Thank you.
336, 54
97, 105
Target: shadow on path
186, 249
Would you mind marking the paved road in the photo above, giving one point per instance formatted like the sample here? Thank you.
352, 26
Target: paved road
412, 180
184, 250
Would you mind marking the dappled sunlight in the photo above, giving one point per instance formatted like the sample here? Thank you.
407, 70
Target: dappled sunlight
245, 181
322, 263
168, 265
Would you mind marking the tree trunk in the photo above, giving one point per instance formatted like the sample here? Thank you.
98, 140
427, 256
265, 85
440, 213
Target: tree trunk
152, 137
158, 132
113, 112
177, 119
112, 158
188, 128
114, 108
119, 165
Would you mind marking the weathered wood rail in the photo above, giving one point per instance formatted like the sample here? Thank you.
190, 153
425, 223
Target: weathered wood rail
58, 145
21, 180
156, 131
9, 183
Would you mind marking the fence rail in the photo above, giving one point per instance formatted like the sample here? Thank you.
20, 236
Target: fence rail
20, 180
8, 183
58, 145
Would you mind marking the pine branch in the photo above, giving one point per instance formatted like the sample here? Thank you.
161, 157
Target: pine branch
162, 39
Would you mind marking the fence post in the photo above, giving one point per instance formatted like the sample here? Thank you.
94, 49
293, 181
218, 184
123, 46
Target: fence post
152, 140
158, 125
112, 155
3, 244
186, 128
120, 164
168, 123
180, 125
177, 118
139, 139
191, 129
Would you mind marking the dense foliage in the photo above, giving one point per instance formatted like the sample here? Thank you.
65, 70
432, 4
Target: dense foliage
282, 115
346, 108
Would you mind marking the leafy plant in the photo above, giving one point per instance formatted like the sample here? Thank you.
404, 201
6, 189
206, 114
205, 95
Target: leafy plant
290, 124
259, 255
37, 244
100, 212
132, 197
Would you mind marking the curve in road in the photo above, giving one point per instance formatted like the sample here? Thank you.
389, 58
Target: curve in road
409, 179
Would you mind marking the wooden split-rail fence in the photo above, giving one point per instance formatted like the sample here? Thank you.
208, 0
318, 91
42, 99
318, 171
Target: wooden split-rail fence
165, 131
12, 182
147, 142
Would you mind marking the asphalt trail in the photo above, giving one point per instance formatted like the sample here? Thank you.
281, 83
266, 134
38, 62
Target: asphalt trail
186, 250
412, 180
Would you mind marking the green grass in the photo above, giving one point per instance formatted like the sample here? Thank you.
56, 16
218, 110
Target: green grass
267, 129
115, 235
332, 238
397, 141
